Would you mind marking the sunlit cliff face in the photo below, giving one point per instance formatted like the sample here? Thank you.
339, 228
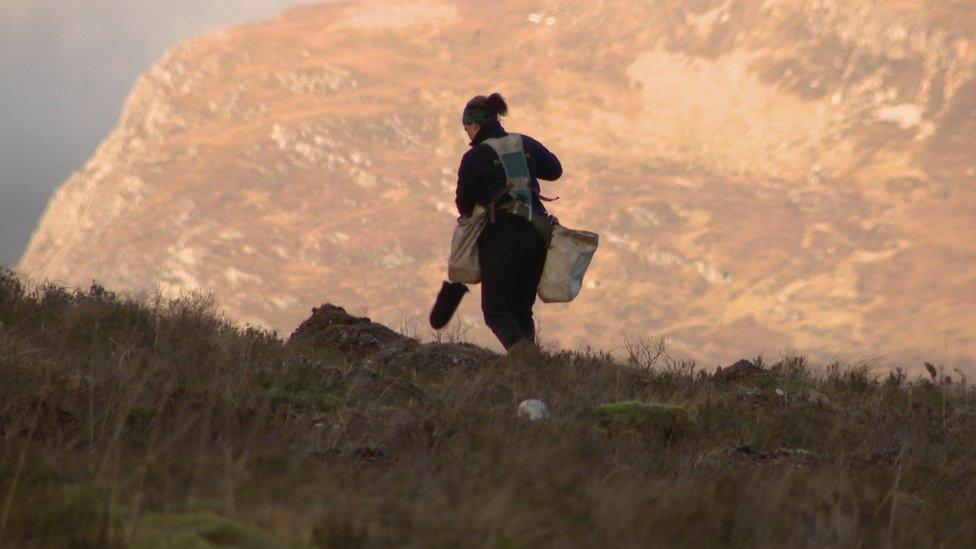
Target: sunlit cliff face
766, 177
66, 67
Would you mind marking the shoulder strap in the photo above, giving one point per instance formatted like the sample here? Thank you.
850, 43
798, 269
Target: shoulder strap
512, 154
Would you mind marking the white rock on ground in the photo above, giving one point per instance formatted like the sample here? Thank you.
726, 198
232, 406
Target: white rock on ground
533, 410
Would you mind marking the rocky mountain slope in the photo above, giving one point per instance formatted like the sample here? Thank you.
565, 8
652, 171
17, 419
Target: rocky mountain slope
766, 176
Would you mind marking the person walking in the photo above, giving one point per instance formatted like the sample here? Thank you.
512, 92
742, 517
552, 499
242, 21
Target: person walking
501, 172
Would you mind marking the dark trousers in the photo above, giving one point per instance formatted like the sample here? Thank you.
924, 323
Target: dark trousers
512, 255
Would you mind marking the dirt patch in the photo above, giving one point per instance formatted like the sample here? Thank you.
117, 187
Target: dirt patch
332, 327
740, 371
748, 455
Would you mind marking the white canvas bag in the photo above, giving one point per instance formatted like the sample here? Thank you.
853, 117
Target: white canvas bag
463, 265
569, 256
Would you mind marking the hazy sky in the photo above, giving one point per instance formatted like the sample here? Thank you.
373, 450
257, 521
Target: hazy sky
66, 67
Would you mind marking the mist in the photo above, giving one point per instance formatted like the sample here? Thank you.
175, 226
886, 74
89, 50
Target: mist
66, 67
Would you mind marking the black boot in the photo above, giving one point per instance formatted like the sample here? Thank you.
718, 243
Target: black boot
447, 302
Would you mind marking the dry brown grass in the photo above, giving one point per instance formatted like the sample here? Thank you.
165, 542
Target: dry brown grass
156, 424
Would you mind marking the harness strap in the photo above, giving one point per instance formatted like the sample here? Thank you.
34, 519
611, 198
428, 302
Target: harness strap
518, 208
502, 193
512, 154
541, 223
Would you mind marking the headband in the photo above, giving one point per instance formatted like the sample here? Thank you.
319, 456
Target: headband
478, 116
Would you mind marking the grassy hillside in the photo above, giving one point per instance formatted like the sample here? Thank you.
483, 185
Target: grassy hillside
159, 424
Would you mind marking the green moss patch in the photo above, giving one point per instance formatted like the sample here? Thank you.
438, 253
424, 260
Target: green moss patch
70, 515
669, 422
198, 530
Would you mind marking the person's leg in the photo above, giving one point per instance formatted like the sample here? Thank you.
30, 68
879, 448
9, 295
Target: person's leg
498, 255
531, 272
499, 316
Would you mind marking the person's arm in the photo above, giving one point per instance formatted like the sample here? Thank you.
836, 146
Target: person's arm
546, 164
464, 194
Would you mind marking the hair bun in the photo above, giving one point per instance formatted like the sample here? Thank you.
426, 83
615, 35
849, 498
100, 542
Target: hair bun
496, 104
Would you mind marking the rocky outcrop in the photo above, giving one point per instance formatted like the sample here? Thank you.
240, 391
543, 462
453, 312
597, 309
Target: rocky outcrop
768, 175
331, 327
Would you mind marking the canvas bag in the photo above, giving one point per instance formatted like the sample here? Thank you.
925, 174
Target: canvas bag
463, 265
569, 255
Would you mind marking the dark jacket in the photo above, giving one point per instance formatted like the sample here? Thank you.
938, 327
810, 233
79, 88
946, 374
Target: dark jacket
481, 174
